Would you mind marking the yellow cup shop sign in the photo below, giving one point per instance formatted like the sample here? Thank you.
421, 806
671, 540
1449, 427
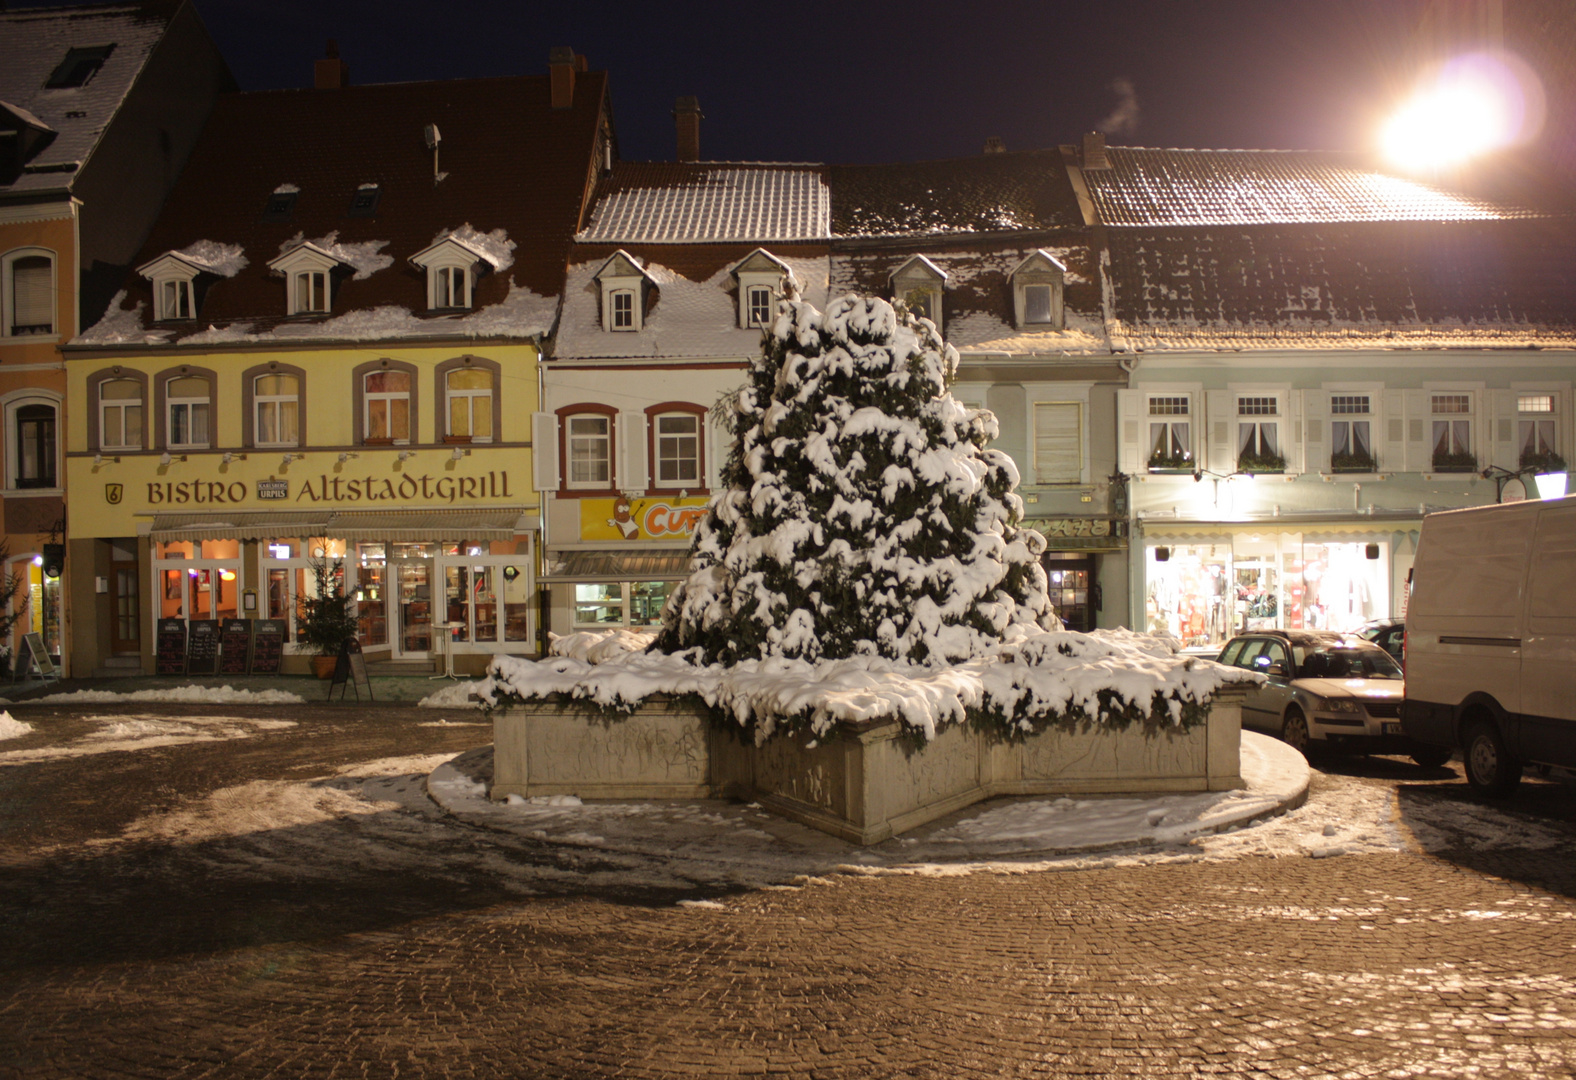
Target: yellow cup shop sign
640, 519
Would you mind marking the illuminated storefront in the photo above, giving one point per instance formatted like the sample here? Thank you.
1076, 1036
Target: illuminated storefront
1204, 582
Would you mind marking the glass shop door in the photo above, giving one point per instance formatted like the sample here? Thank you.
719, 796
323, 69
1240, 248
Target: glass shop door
411, 598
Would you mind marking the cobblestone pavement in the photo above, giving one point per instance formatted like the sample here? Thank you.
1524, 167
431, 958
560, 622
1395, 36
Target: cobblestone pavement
179, 909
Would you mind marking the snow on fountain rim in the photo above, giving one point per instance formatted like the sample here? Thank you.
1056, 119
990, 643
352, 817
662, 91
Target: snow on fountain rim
612, 669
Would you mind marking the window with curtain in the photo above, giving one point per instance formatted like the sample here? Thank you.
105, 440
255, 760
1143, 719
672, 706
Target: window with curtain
32, 295
1258, 435
186, 409
470, 395
1535, 432
1351, 439
386, 406
1170, 435
276, 401
35, 446
678, 449
590, 445
1452, 418
120, 415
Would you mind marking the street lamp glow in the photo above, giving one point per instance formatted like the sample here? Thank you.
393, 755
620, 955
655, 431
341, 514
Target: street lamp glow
1472, 105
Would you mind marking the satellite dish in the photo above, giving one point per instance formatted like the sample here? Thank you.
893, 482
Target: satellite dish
433, 137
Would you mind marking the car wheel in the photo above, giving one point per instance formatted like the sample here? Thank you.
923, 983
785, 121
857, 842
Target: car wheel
1490, 769
1431, 757
1294, 730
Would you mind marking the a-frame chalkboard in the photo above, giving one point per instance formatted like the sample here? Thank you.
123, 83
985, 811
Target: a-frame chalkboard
351, 667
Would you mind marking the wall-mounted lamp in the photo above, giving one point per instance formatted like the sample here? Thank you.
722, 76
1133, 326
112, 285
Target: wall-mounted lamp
288, 458
406, 455
98, 459
347, 455
459, 454
164, 458
226, 458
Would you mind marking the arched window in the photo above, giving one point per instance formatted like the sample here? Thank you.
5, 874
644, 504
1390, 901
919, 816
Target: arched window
32, 434
386, 406
29, 294
186, 412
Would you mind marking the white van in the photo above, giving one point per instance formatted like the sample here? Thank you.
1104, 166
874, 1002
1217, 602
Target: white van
1491, 639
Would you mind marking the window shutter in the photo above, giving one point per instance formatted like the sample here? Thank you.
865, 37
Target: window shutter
31, 293
1419, 446
1392, 437
1497, 441
1131, 432
544, 451
716, 447
1316, 430
632, 469
1220, 417
1294, 431
1058, 443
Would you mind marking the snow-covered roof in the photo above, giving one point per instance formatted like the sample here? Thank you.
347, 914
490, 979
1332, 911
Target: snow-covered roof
986, 193
1145, 187
35, 41
711, 203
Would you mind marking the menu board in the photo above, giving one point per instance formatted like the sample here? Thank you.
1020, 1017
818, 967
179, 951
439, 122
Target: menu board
350, 669
202, 647
235, 641
268, 644
169, 656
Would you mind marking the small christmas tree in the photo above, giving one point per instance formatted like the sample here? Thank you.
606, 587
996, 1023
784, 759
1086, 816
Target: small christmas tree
861, 513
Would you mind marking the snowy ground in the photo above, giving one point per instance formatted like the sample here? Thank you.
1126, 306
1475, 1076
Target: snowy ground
196, 695
125, 731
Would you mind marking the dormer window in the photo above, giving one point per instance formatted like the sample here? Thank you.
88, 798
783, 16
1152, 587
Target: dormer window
79, 66
174, 287
760, 277
309, 278
452, 267
1037, 292
281, 203
364, 203
919, 284
623, 283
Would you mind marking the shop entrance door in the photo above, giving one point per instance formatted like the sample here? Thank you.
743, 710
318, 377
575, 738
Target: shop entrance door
125, 639
411, 597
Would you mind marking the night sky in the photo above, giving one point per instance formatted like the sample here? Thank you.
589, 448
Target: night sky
849, 83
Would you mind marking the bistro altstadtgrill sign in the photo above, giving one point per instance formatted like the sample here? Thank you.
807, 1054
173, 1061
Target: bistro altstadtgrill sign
325, 488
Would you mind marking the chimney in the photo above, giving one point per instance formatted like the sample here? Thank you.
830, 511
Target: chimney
562, 63
1094, 151
994, 145
331, 73
686, 118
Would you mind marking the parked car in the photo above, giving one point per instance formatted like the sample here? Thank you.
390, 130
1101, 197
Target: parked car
1491, 640
1388, 634
1326, 689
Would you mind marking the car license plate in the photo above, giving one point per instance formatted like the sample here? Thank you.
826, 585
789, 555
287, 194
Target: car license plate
1392, 729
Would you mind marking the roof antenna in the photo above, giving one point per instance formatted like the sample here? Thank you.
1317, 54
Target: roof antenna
433, 137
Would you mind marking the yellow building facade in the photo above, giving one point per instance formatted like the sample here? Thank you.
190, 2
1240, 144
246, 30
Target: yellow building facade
207, 485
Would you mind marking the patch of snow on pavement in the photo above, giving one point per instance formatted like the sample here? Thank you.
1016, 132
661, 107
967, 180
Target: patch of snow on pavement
453, 696
123, 732
197, 695
11, 728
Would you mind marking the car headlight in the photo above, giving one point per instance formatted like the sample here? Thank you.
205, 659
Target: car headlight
1342, 705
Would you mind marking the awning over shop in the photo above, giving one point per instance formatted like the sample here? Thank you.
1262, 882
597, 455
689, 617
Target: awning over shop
1170, 529
266, 526
619, 564
413, 527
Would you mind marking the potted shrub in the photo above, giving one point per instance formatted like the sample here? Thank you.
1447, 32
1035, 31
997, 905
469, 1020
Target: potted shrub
328, 618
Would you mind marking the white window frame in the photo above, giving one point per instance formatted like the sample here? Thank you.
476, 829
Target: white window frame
451, 288
621, 274
1150, 419
120, 405
658, 457
921, 276
452, 269
622, 318
1261, 409
13, 403
172, 403
260, 400
390, 396
8, 294
1467, 416
1040, 269
174, 300
495, 563
1536, 417
316, 286
606, 440
307, 262
758, 300
1343, 410
472, 396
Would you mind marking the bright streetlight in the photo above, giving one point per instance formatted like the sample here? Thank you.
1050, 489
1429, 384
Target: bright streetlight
1469, 106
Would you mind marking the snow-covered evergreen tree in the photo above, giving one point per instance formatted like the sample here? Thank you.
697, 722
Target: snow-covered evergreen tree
862, 513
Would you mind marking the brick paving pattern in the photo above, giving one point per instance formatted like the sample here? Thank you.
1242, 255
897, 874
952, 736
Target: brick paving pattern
152, 959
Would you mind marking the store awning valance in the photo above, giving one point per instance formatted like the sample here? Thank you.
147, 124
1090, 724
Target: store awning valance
265, 526
1168, 529
620, 564
410, 527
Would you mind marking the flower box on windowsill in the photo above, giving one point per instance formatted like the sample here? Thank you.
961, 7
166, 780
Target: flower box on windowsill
1353, 463
1542, 463
1455, 463
1261, 463
463, 440
1171, 465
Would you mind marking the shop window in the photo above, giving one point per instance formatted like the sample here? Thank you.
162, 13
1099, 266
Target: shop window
1452, 419
276, 410
621, 604
590, 445
1351, 433
386, 406
469, 392
1170, 433
676, 442
35, 466
1535, 429
1258, 435
120, 414
186, 412
27, 293
1058, 442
